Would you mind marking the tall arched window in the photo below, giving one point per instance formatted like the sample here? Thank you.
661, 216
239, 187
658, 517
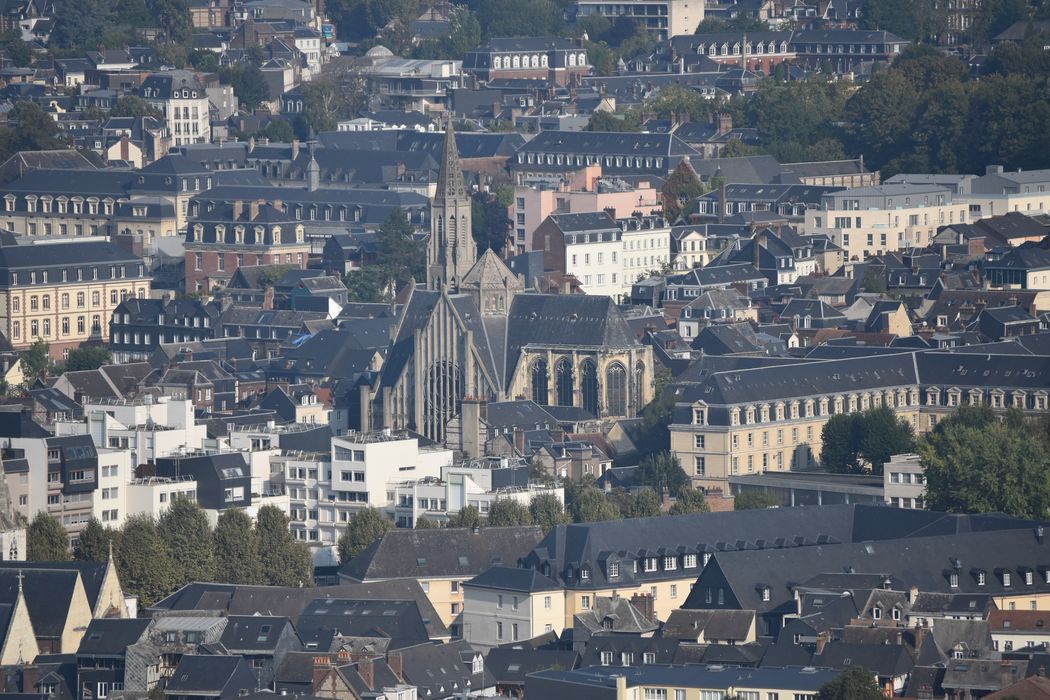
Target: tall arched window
638, 387
589, 386
539, 382
565, 381
616, 389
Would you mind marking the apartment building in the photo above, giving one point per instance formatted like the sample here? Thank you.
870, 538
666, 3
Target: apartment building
903, 481
664, 18
64, 291
607, 256
507, 604
583, 190
327, 485
1000, 192
182, 98
769, 418
555, 59
442, 561
869, 221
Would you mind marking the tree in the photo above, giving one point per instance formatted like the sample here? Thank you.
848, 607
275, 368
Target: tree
36, 361
661, 470
975, 463
517, 17
365, 527
143, 562
910, 19
16, 50
855, 683
608, 121
46, 540
592, 506
840, 444
755, 500
885, 435
87, 357
680, 191
249, 84
189, 539
94, 542
236, 549
505, 512
285, 562
173, 17
464, 34
425, 523
31, 129
873, 283
278, 131
400, 254
852, 443
323, 104
677, 102
716, 25
689, 500
366, 284
547, 512
656, 416
489, 222
645, 504
133, 106
467, 517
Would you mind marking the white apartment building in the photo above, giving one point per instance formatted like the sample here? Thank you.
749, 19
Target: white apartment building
646, 248
904, 482
183, 100
665, 18
869, 221
457, 488
153, 495
148, 427
362, 469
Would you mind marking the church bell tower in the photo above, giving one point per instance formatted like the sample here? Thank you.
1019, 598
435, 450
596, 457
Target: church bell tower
452, 250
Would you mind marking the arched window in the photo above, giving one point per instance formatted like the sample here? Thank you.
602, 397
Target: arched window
589, 386
565, 380
539, 382
638, 387
616, 389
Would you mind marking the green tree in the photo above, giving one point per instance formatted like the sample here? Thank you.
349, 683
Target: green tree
236, 549
133, 106
840, 444
645, 504
873, 283
278, 131
489, 222
366, 284
677, 102
547, 512
94, 542
285, 562
797, 121
689, 500
911, 19
249, 85
506, 512
600, 56
144, 564
204, 61
464, 34
16, 50
855, 683
592, 506
400, 254
517, 17
680, 191
885, 435
36, 360
425, 523
608, 121
30, 129
323, 105
661, 470
46, 540
974, 462
879, 117
755, 500
87, 357
173, 17
365, 527
188, 537
717, 25
656, 416
466, 517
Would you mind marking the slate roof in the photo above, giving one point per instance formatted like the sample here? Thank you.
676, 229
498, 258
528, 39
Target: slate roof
441, 552
111, 636
713, 624
207, 675
600, 142
48, 596
511, 578
443, 670
620, 612
510, 666
327, 619
248, 634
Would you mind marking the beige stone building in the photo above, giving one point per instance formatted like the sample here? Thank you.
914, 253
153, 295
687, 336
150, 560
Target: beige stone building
770, 418
64, 291
506, 604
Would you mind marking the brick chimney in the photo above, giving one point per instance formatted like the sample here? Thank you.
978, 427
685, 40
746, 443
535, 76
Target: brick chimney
643, 603
725, 123
822, 641
253, 208
267, 302
238, 209
322, 665
366, 669
394, 661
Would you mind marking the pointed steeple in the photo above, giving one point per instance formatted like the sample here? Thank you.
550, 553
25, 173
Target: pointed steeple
450, 175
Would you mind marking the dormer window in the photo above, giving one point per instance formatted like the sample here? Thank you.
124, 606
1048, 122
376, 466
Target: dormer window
670, 563
650, 564
1028, 578
614, 569
699, 416
766, 594
1007, 579
953, 580
897, 614
981, 578
876, 613
585, 573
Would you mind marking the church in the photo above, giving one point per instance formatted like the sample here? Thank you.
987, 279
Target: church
475, 331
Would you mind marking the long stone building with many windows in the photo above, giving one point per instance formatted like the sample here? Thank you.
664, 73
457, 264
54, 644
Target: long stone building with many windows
769, 418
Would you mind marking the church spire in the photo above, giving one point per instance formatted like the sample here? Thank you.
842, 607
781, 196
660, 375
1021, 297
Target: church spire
450, 176
452, 250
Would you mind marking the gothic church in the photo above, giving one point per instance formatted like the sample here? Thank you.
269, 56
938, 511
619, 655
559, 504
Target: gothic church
475, 331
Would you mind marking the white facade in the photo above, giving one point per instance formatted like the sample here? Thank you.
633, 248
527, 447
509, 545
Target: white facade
665, 18
115, 470
598, 266
610, 267
492, 618
153, 495
904, 481
149, 428
646, 248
